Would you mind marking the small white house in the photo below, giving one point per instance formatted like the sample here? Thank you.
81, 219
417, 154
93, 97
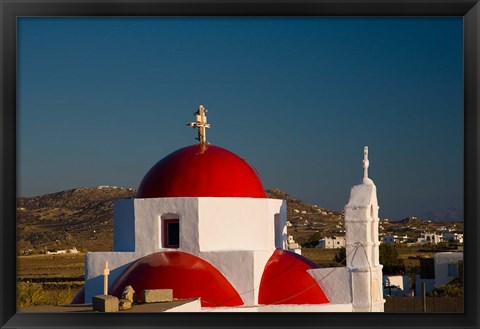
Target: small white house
430, 238
335, 242
395, 239
400, 282
293, 246
447, 267
455, 237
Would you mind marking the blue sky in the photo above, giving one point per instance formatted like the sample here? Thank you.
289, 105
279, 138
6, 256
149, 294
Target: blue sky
101, 100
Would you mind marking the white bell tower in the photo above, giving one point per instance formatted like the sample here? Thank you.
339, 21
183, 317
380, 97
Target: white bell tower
362, 245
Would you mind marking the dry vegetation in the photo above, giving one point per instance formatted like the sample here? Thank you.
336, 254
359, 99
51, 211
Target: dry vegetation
35, 294
49, 279
323, 257
51, 266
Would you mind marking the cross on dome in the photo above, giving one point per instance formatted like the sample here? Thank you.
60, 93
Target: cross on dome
365, 162
201, 124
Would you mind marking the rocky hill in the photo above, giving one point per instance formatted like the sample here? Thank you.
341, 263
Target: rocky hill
78, 198
81, 218
450, 214
411, 221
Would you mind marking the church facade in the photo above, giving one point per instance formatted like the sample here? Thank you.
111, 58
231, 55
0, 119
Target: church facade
202, 225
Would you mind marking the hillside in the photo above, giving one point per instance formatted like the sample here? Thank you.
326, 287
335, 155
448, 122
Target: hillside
304, 210
309, 222
83, 218
78, 198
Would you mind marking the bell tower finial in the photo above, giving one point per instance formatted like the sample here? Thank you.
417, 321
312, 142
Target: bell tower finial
365, 162
201, 124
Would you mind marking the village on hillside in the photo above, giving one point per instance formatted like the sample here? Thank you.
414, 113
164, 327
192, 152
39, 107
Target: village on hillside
431, 252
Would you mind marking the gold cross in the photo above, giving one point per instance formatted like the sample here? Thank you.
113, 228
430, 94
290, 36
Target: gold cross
201, 124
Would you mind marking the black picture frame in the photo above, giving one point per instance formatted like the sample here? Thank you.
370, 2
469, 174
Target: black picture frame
10, 10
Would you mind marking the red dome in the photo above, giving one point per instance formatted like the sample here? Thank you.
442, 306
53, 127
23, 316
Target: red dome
188, 276
285, 280
201, 170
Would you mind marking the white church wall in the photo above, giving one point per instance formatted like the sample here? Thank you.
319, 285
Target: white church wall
124, 225
243, 269
94, 265
147, 234
228, 223
148, 226
237, 267
279, 208
237, 223
260, 260
336, 283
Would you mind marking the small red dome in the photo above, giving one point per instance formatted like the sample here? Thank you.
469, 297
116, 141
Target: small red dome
201, 170
189, 276
285, 280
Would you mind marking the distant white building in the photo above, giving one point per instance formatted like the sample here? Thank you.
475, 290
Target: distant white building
293, 246
73, 251
388, 239
437, 238
399, 282
106, 186
455, 237
63, 251
447, 267
395, 239
431, 238
334, 242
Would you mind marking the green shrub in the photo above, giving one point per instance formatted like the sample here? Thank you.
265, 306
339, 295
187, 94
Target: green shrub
391, 261
341, 257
